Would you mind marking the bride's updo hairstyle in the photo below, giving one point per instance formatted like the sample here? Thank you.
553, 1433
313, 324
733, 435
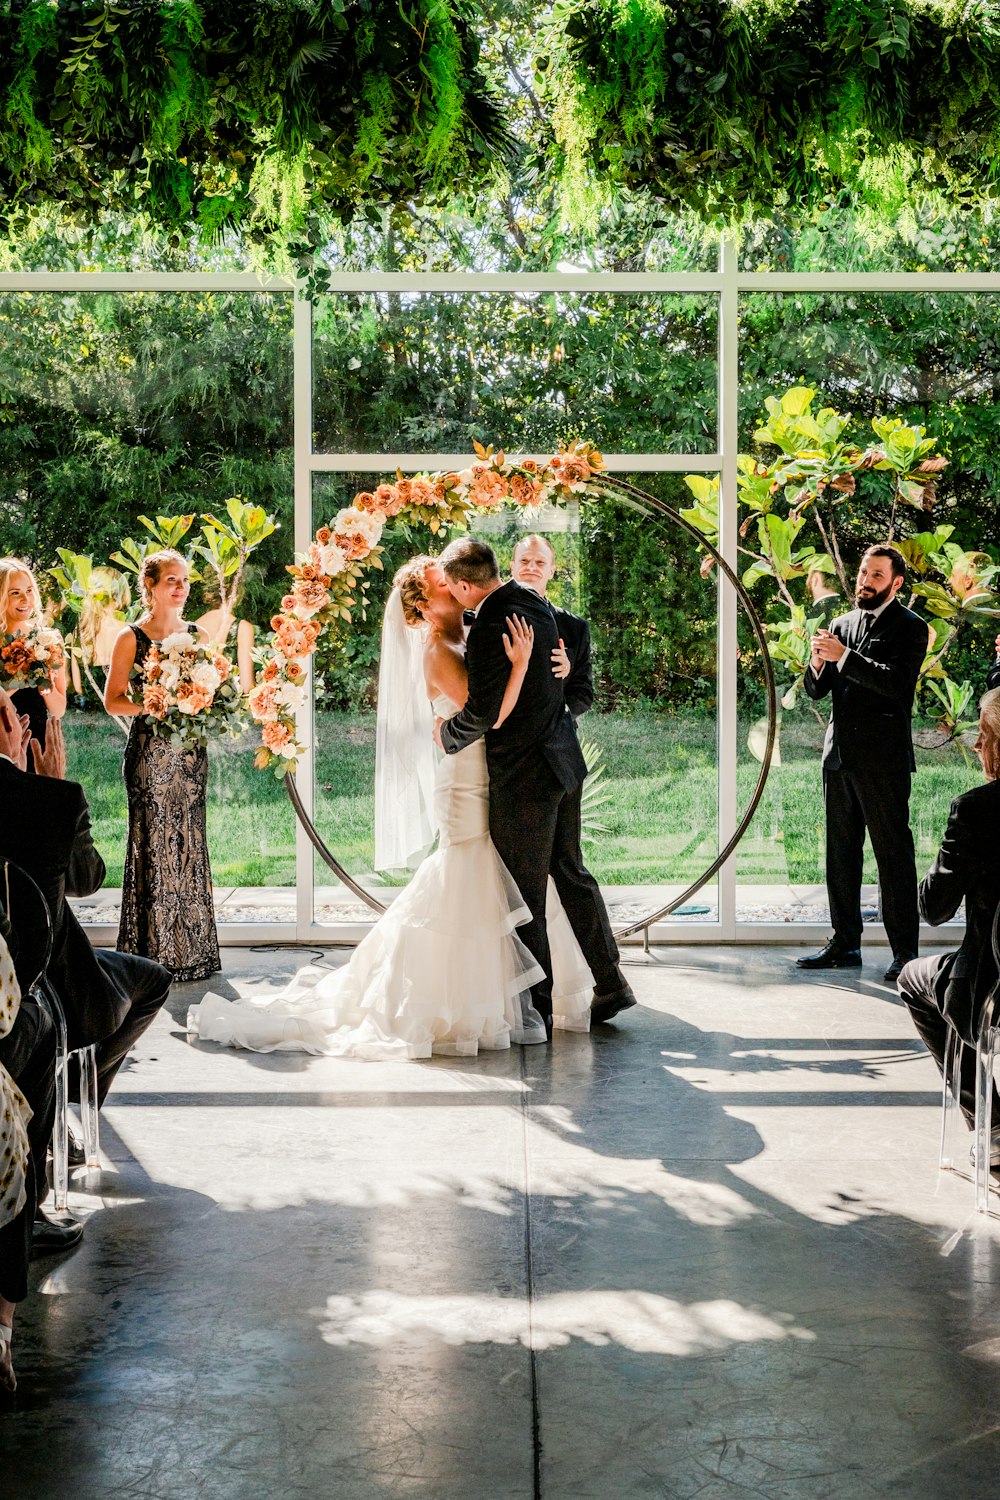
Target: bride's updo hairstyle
152, 569
411, 581
469, 561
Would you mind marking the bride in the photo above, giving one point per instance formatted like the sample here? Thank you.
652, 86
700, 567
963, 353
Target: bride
443, 971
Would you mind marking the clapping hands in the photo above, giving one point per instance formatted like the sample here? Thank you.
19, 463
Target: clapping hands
52, 760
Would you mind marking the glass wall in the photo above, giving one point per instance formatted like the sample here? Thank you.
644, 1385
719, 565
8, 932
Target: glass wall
399, 372
114, 406
930, 360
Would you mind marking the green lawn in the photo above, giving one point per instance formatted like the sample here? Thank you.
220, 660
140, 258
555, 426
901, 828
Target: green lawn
661, 816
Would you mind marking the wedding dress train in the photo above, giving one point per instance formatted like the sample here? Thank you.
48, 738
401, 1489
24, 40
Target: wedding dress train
443, 972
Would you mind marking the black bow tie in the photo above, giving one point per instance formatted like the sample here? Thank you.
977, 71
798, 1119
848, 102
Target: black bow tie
468, 616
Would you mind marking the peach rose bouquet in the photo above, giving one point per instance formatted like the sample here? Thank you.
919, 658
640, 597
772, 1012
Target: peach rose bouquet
189, 691
29, 658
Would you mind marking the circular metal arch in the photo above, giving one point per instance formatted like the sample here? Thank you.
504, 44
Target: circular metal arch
639, 500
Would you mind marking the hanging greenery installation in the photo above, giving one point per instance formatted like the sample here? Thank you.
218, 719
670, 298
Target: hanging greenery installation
738, 108
275, 117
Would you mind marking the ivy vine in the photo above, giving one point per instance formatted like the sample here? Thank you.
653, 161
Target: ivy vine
734, 110
274, 117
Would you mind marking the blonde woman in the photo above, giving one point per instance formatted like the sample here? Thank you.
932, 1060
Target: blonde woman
21, 612
167, 908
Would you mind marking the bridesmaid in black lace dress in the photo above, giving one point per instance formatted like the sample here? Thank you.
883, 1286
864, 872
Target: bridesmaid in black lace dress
20, 611
167, 910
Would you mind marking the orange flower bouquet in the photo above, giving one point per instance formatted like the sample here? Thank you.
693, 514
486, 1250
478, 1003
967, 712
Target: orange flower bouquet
29, 659
190, 692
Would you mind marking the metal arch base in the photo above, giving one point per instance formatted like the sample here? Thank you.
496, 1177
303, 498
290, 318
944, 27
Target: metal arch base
641, 500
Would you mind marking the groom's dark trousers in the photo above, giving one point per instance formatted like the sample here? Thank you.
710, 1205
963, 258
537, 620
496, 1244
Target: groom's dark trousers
536, 773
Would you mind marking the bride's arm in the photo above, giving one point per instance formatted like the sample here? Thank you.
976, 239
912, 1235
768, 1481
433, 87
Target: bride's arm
445, 671
517, 644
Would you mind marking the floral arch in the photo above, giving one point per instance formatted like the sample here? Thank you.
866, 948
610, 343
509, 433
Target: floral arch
326, 582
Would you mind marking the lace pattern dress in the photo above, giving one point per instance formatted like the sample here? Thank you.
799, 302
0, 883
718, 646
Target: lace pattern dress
443, 972
167, 909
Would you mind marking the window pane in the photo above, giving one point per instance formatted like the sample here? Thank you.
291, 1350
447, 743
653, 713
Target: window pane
431, 372
651, 820
930, 360
117, 405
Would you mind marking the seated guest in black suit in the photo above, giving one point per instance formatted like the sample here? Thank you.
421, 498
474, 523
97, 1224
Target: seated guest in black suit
950, 989
534, 564
993, 675
109, 998
27, 1088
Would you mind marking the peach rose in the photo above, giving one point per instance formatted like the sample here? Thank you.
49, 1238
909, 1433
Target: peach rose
387, 500
525, 491
192, 698
275, 734
262, 701
309, 595
365, 500
324, 536
156, 701
18, 656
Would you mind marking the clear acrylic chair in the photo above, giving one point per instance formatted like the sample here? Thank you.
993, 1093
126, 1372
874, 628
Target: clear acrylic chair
28, 914
987, 1052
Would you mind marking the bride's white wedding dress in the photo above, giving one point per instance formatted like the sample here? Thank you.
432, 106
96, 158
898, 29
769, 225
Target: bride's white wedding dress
442, 972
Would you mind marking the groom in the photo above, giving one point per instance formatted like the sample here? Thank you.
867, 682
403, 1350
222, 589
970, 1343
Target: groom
536, 772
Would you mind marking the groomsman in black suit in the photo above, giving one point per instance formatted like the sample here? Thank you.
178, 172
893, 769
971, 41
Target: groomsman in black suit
534, 564
109, 998
536, 772
949, 990
869, 661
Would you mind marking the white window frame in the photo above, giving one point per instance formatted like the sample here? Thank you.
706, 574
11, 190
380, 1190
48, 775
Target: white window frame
728, 283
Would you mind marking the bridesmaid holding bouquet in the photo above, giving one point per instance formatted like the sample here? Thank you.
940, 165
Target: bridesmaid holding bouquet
32, 659
167, 909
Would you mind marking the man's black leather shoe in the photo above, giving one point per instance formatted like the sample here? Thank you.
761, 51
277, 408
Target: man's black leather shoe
75, 1154
50, 1238
604, 1007
833, 956
894, 970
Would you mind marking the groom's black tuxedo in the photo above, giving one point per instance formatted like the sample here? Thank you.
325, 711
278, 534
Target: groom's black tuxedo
867, 762
536, 774
109, 998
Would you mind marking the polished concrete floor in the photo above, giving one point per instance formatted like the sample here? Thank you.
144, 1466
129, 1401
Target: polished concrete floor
705, 1253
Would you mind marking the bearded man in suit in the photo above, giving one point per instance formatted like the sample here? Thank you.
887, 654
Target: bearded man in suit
869, 661
950, 989
536, 772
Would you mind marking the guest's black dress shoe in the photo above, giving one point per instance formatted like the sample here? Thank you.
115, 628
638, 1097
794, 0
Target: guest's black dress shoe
50, 1238
833, 956
604, 1007
75, 1154
894, 970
